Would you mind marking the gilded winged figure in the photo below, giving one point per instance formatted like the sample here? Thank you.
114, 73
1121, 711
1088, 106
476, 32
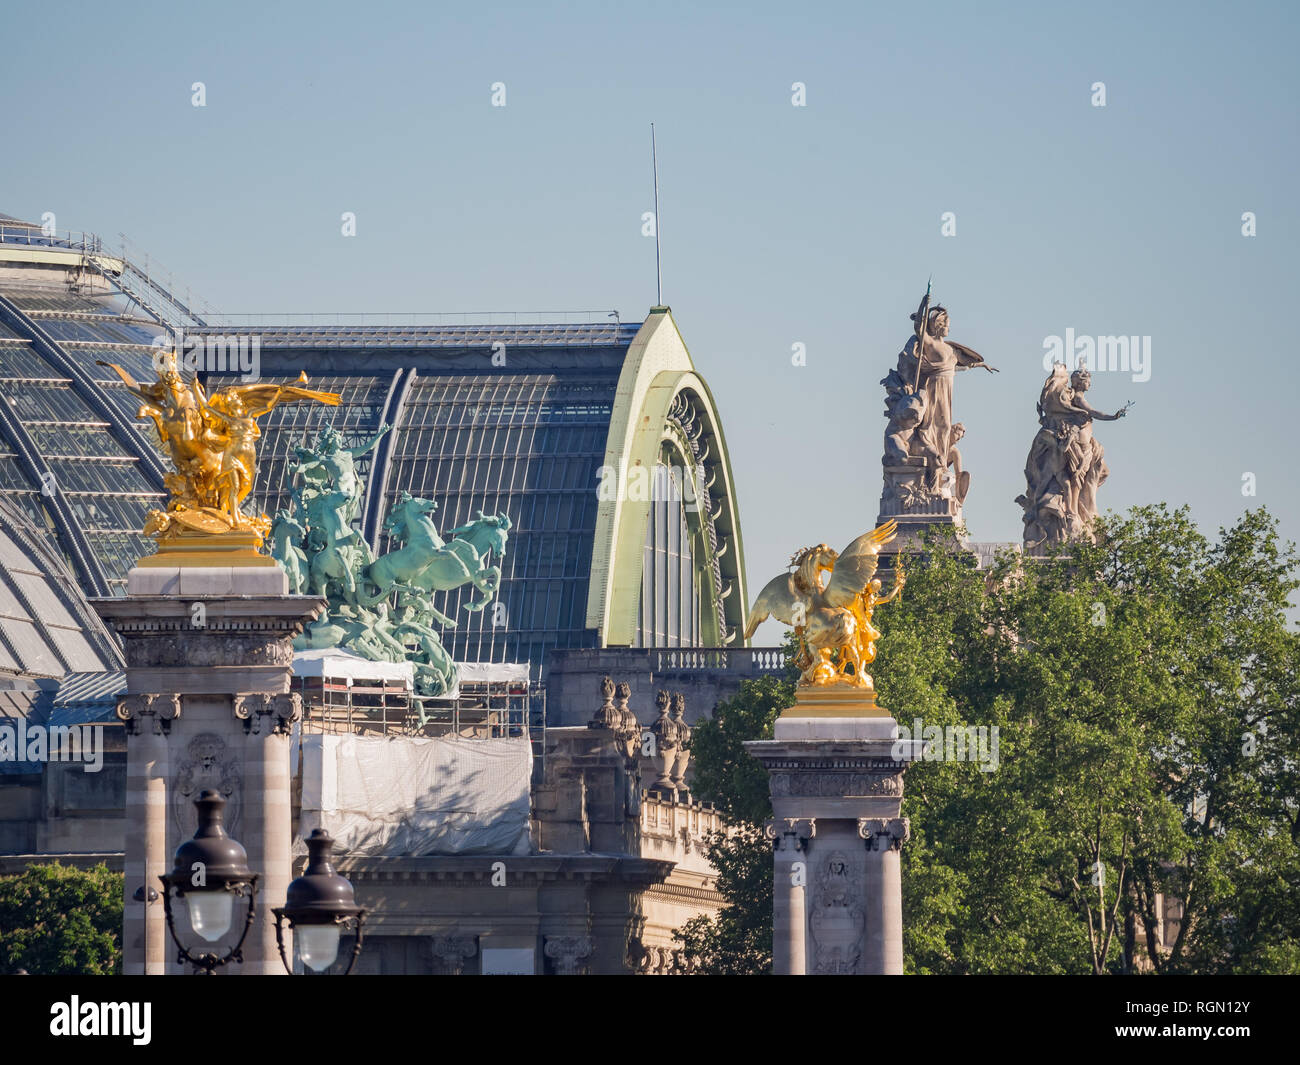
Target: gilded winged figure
212, 444
834, 616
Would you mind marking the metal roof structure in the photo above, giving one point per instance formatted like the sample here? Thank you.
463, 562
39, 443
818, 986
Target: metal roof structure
492, 412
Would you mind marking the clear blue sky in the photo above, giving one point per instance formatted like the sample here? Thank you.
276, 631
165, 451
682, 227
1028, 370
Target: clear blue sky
780, 224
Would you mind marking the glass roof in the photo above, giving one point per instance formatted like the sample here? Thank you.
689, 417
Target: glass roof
529, 446
97, 473
46, 628
526, 440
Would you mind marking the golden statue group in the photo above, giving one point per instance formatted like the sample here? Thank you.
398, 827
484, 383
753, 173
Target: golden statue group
212, 444
832, 620
377, 607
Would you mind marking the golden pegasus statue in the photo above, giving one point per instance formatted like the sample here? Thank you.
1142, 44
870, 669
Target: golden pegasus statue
832, 621
212, 444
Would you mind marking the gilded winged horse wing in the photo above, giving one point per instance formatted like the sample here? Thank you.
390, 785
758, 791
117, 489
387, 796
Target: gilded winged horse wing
856, 566
779, 599
259, 398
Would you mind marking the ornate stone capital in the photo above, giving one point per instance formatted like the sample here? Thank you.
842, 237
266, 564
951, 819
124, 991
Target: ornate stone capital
453, 951
265, 714
791, 833
569, 954
884, 833
152, 712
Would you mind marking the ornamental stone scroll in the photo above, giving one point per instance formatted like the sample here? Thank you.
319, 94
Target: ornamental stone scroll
265, 714
151, 712
569, 954
884, 833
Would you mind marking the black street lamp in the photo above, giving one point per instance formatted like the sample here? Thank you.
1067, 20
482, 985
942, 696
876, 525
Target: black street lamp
208, 873
318, 906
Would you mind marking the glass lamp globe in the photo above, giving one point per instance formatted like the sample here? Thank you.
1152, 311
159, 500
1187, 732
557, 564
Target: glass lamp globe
210, 913
318, 945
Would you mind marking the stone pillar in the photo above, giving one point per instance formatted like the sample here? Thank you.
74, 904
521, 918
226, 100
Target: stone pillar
267, 817
789, 915
209, 654
147, 720
836, 766
884, 839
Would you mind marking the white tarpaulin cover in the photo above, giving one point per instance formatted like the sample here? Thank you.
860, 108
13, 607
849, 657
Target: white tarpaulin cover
395, 796
339, 665
494, 671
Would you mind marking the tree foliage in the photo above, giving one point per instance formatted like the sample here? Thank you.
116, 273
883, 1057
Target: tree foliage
1145, 692
56, 919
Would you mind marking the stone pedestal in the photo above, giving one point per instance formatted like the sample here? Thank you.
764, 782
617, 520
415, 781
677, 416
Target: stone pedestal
209, 653
908, 498
836, 772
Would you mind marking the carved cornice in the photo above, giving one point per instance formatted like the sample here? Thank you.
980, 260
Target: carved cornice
823, 784
172, 630
637, 874
685, 893
814, 762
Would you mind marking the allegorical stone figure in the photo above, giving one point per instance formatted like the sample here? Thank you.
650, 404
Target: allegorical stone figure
1066, 463
918, 403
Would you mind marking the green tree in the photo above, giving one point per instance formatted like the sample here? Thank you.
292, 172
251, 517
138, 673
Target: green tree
56, 919
1144, 688
1145, 692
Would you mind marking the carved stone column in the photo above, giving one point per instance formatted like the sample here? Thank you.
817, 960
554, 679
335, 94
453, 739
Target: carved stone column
209, 654
268, 818
147, 719
569, 954
884, 838
789, 917
835, 762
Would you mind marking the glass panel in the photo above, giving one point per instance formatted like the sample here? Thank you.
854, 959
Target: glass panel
9, 605
47, 403
35, 654
77, 650
83, 476
22, 361
12, 474
42, 599
102, 513
95, 441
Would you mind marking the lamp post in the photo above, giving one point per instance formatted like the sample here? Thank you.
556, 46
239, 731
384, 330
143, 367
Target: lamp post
318, 906
208, 873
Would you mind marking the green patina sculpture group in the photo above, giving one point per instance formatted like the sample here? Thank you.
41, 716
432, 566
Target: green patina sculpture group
380, 608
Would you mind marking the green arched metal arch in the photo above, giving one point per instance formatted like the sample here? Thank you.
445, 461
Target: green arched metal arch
657, 371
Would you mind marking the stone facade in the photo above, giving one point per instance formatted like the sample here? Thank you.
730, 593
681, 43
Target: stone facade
208, 654
704, 675
616, 868
837, 792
